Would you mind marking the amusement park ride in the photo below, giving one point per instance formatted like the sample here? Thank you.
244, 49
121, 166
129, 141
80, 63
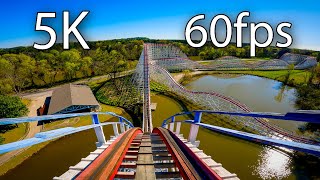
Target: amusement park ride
163, 152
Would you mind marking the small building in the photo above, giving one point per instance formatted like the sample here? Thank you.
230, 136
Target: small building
72, 98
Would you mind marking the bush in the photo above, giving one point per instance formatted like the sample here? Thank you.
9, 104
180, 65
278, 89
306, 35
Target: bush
11, 107
308, 99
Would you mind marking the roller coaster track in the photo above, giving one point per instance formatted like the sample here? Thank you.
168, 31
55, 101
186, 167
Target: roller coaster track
147, 118
157, 62
195, 96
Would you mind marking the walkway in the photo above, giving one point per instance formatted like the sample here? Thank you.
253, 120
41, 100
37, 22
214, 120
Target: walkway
36, 102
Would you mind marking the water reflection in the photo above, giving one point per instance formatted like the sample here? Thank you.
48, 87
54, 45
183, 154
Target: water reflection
250, 161
260, 94
272, 164
281, 95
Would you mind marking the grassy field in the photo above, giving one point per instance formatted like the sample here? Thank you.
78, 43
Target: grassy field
15, 134
26, 101
195, 58
205, 62
297, 77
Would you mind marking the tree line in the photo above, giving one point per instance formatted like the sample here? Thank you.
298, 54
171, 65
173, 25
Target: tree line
210, 52
26, 67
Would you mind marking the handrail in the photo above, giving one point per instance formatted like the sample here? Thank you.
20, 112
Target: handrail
6, 121
311, 116
47, 136
53, 134
175, 115
300, 115
297, 146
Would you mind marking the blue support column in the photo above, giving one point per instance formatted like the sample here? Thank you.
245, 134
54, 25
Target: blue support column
98, 130
197, 117
173, 119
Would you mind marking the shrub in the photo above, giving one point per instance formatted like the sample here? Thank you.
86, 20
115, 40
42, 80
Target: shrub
11, 107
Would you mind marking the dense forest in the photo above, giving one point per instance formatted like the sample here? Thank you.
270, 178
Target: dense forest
26, 67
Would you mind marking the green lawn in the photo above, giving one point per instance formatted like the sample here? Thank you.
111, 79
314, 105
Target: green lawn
195, 58
15, 134
296, 78
205, 63
26, 101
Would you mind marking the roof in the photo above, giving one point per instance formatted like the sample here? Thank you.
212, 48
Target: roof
71, 95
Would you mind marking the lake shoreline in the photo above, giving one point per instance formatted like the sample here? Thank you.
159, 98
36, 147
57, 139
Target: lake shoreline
179, 77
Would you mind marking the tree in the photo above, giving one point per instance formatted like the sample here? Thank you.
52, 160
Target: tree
287, 76
308, 97
11, 107
318, 57
20, 70
314, 74
231, 50
86, 63
28, 66
48, 66
44, 72
99, 59
202, 55
72, 63
115, 63
6, 84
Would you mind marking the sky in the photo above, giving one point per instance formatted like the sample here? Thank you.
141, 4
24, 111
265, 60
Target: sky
165, 19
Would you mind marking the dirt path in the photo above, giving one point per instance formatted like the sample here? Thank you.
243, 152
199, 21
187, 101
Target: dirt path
36, 102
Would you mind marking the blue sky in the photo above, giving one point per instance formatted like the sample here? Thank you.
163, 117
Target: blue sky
165, 19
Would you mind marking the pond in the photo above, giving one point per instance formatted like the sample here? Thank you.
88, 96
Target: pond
259, 94
248, 160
